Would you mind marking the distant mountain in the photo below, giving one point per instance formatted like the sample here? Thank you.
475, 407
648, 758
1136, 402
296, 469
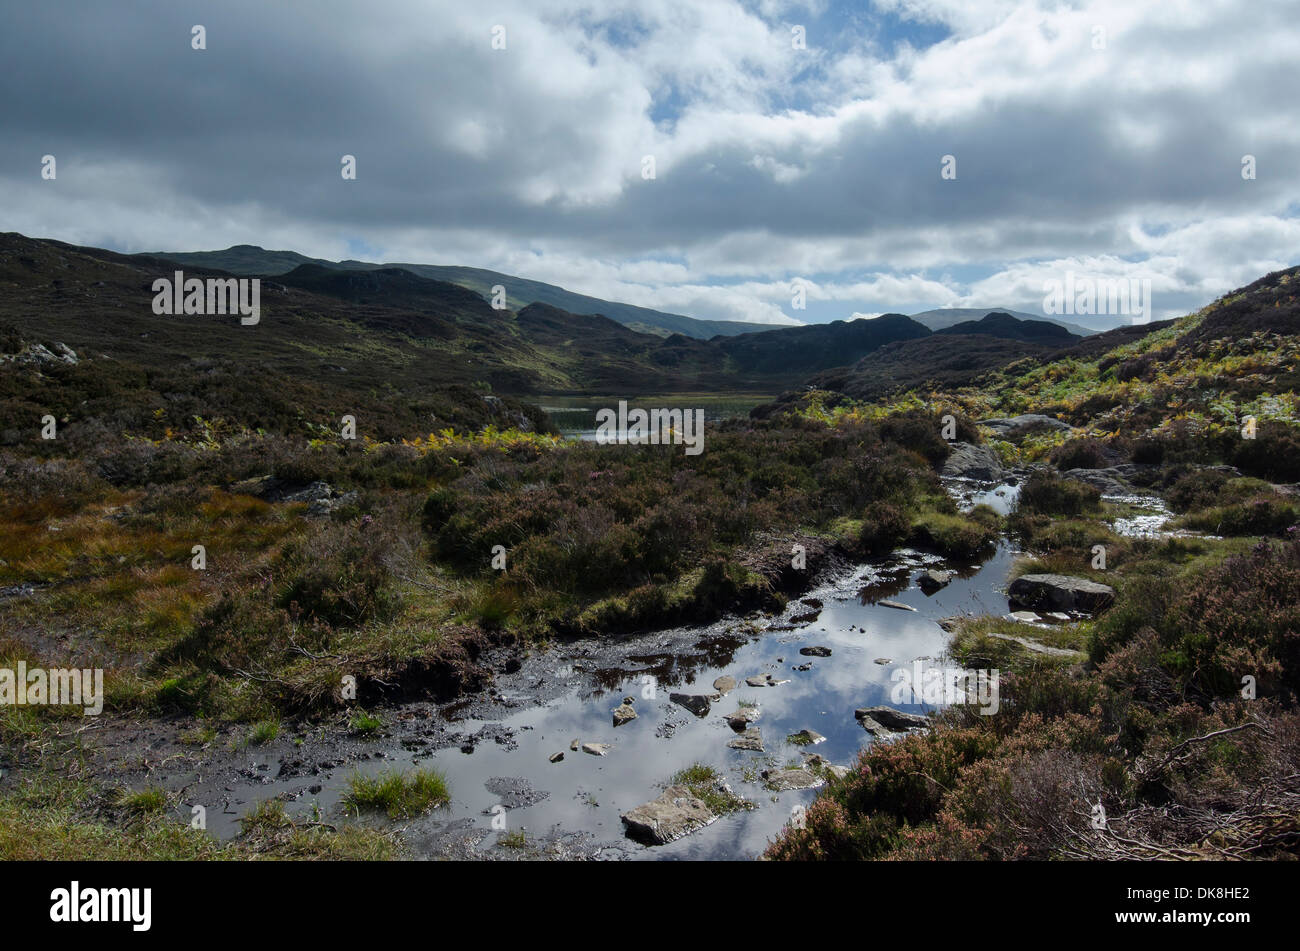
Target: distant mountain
1005, 326
946, 317
250, 260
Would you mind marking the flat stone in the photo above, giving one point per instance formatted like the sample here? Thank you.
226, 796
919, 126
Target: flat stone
724, 684
1037, 648
596, 749
897, 605
791, 778
677, 812
891, 718
556, 757
751, 739
697, 703
764, 680
1025, 617
807, 738
882, 661
816, 650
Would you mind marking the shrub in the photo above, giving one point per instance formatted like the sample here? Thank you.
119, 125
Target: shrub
1085, 453
1048, 494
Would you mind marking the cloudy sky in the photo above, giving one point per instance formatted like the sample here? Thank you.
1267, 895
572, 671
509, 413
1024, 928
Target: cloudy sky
1101, 138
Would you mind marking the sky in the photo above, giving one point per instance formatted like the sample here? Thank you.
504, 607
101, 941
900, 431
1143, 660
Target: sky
881, 155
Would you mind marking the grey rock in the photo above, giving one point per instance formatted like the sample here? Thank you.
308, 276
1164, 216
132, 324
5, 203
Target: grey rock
793, 777
891, 718
1024, 423
751, 739
624, 713
677, 812
807, 738
724, 684
978, 463
1060, 593
816, 650
932, 580
896, 605
697, 703
596, 749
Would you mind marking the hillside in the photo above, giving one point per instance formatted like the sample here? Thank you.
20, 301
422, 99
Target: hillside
245, 259
383, 342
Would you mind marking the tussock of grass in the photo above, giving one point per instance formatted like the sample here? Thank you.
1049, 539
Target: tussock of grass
704, 783
397, 794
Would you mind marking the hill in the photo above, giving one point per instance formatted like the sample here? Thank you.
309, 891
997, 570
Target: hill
249, 260
944, 317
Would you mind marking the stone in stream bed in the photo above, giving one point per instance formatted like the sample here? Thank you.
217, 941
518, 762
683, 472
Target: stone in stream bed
742, 717
806, 738
807, 617
793, 777
697, 703
677, 812
933, 579
1024, 617
557, 757
802, 667
817, 650
623, 713
724, 684
764, 680
596, 749
897, 605
882, 661
751, 739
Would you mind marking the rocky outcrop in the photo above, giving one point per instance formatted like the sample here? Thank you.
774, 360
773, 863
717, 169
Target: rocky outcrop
1060, 593
1006, 426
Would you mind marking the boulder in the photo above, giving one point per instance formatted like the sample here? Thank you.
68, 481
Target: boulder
892, 719
677, 812
977, 463
1060, 593
1026, 422
932, 580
